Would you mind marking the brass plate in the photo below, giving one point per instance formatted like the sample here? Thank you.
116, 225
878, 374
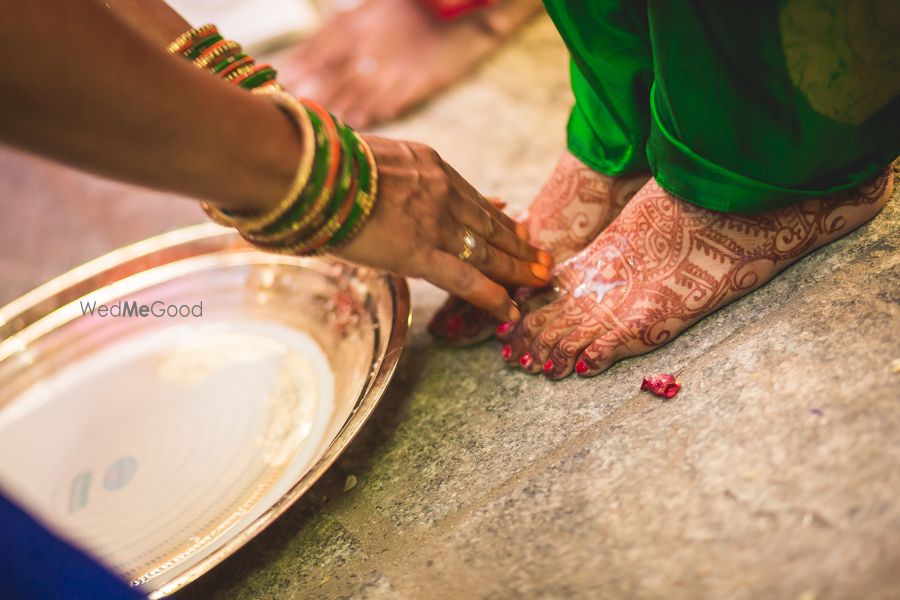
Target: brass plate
164, 441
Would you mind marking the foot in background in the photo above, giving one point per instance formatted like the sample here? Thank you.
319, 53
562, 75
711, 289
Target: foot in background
373, 62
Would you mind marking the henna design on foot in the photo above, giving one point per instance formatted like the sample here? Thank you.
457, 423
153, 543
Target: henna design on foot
664, 264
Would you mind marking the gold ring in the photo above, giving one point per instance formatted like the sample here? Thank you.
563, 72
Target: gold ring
469, 245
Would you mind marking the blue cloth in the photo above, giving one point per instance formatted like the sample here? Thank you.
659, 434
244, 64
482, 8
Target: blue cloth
35, 564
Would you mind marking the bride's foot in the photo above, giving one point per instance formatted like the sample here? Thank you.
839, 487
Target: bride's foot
663, 265
371, 63
574, 206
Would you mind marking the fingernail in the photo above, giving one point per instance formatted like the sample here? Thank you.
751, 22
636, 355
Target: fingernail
548, 366
581, 367
497, 201
526, 360
521, 231
504, 327
540, 271
545, 259
514, 314
506, 352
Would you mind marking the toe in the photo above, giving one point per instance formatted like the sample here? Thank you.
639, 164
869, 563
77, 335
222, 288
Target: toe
525, 332
601, 354
546, 341
529, 300
562, 358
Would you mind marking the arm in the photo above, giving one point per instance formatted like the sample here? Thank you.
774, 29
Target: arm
154, 18
90, 93
85, 88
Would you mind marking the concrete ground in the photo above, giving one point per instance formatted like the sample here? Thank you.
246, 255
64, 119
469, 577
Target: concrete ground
775, 473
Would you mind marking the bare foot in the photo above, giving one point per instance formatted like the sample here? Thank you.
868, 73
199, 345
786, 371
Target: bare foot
373, 62
663, 265
575, 205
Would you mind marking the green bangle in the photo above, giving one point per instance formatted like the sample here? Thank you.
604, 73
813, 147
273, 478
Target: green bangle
310, 243
257, 79
297, 220
318, 242
363, 187
194, 51
365, 200
339, 199
228, 60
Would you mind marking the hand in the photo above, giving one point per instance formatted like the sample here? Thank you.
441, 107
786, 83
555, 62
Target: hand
419, 222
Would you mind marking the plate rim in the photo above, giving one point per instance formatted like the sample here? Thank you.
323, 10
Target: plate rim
32, 306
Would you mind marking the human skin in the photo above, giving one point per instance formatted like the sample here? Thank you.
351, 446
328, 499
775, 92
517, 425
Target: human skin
664, 264
86, 87
574, 205
373, 62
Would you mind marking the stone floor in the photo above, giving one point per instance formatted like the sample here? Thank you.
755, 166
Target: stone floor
775, 473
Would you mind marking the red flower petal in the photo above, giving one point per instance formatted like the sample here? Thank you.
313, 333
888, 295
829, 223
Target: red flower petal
661, 384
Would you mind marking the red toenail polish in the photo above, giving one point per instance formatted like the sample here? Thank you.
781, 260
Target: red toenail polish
506, 352
503, 328
526, 360
581, 367
454, 324
548, 366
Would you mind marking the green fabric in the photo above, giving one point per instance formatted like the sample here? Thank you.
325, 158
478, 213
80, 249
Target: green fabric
735, 107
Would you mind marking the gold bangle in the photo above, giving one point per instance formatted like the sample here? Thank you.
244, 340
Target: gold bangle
313, 217
204, 61
249, 224
271, 85
367, 201
364, 199
176, 47
240, 71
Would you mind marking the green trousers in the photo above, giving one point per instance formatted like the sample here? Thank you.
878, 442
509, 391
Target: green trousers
735, 106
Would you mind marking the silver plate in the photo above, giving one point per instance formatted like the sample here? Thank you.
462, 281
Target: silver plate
162, 444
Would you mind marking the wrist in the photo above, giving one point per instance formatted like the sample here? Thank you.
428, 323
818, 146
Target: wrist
314, 179
273, 161
331, 194
256, 173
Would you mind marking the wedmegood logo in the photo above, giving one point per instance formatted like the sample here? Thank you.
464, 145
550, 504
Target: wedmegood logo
132, 309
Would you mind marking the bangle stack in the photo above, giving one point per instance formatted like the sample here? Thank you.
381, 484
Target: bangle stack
208, 50
336, 182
